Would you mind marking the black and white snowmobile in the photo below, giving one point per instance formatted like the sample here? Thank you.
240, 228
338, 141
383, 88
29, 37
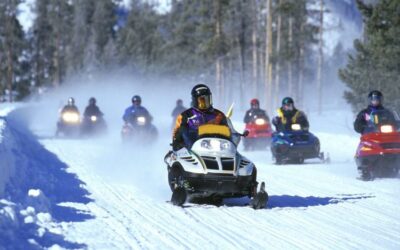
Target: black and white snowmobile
211, 168
68, 124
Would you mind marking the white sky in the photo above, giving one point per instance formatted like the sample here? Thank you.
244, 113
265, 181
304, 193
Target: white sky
26, 15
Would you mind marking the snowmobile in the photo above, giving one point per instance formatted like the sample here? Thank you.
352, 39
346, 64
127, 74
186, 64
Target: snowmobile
260, 134
212, 168
69, 124
140, 129
295, 145
378, 153
93, 125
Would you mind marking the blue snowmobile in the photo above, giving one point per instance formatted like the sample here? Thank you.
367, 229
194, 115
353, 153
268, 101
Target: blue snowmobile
296, 145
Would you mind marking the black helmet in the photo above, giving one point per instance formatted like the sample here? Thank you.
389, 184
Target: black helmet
92, 101
201, 97
71, 101
375, 95
136, 100
287, 100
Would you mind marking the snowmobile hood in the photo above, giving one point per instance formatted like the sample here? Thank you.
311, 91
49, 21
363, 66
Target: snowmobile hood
381, 137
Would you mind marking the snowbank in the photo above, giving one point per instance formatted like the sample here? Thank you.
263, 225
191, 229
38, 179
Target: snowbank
33, 183
5, 166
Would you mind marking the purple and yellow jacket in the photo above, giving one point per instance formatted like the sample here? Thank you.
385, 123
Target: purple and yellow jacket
187, 124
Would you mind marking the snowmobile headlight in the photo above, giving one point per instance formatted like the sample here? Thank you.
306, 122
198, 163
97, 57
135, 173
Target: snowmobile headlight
70, 117
93, 118
387, 129
206, 144
260, 121
141, 120
296, 127
225, 145
215, 145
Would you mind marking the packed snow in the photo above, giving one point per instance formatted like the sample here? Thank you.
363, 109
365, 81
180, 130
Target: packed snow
101, 194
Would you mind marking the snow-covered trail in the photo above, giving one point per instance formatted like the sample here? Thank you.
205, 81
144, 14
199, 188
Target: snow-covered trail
312, 206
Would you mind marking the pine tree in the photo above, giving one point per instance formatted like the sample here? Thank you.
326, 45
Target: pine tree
14, 70
375, 64
139, 41
81, 36
102, 27
52, 32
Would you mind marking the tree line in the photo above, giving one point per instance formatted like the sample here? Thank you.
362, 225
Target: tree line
243, 48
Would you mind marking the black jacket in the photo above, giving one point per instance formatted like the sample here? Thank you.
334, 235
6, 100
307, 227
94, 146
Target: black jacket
252, 114
92, 110
361, 122
69, 108
285, 119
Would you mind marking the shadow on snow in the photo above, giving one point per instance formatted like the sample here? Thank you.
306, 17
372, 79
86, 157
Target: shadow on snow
289, 201
38, 168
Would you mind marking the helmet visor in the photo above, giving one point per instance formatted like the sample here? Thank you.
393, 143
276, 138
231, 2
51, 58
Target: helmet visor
288, 106
376, 100
204, 102
136, 102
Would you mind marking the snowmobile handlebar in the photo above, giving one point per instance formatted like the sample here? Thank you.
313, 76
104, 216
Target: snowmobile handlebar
244, 134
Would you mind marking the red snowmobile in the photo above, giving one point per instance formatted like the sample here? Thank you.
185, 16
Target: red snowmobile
260, 134
378, 154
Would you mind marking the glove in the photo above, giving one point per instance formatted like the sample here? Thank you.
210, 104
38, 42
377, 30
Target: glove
276, 120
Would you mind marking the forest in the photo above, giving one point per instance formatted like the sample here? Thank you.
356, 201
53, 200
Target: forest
242, 48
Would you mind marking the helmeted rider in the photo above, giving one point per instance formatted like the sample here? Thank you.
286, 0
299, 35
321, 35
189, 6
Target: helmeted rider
255, 112
375, 104
288, 115
179, 108
201, 112
92, 109
70, 107
136, 110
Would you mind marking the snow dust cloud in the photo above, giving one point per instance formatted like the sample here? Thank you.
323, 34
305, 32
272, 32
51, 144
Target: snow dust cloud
141, 164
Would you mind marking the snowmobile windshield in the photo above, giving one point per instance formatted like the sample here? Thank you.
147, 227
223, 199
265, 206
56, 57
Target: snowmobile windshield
381, 119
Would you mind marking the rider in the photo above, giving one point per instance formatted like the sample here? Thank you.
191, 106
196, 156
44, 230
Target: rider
92, 109
178, 109
70, 107
375, 104
255, 112
136, 110
288, 115
201, 112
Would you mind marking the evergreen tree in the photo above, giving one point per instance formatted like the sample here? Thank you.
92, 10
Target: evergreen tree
14, 68
81, 35
139, 41
42, 46
102, 28
52, 32
375, 64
